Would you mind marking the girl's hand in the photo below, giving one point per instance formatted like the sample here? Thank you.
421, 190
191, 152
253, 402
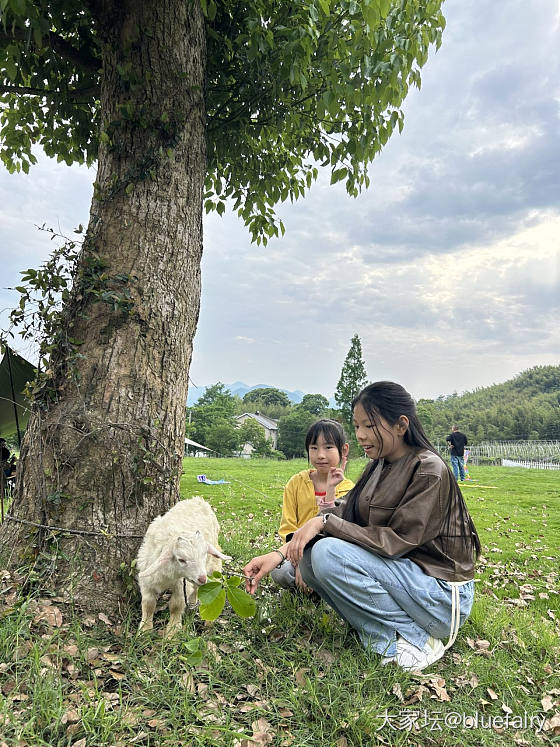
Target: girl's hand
259, 567
300, 583
336, 476
301, 537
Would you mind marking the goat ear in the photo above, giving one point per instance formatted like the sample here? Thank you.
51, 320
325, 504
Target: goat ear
217, 553
163, 559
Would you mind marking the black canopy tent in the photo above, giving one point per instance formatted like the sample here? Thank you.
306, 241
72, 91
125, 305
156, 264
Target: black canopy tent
15, 408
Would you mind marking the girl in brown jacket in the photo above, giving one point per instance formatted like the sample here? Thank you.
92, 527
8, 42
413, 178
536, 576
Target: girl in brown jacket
396, 557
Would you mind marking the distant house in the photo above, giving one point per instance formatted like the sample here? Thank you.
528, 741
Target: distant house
269, 425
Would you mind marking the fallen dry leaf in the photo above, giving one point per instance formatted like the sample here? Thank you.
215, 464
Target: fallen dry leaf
92, 653
463, 680
47, 661
437, 684
262, 732
70, 716
129, 718
73, 671
327, 658
300, 677
547, 703
491, 693
111, 657
49, 614
156, 723
553, 724
8, 686
415, 694
285, 712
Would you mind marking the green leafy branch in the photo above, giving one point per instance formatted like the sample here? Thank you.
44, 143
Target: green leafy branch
289, 87
213, 594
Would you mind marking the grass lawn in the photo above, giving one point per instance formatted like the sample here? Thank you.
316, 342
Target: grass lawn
294, 674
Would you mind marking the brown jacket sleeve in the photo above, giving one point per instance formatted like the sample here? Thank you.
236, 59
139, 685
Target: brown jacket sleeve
397, 524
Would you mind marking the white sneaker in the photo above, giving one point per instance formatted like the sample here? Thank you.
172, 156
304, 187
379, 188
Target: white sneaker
411, 657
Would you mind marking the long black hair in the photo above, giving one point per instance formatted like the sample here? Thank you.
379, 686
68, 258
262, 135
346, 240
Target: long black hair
331, 430
389, 400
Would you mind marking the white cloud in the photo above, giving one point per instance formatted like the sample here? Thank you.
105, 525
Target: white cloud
447, 268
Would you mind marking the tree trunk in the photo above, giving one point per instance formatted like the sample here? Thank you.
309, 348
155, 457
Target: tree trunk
103, 449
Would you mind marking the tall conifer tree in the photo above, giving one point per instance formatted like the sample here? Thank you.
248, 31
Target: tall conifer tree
352, 378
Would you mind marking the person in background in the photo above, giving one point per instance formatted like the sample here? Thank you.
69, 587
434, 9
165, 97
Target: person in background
310, 491
5, 457
395, 558
456, 443
12, 466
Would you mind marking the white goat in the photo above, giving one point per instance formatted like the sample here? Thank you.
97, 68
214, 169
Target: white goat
181, 544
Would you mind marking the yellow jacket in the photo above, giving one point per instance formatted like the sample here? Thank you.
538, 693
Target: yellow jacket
300, 504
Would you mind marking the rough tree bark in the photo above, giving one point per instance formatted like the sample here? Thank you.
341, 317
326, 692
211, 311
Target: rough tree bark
104, 446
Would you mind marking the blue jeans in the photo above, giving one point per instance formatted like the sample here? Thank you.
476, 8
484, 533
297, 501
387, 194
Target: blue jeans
284, 575
381, 597
458, 464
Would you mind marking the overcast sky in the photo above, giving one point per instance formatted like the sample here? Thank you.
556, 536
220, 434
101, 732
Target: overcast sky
448, 267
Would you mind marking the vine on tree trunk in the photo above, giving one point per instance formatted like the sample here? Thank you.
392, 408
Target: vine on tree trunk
72, 274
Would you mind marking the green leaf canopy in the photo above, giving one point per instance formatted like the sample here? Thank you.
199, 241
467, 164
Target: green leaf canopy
289, 86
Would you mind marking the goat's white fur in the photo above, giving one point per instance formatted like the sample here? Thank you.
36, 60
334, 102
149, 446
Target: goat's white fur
181, 544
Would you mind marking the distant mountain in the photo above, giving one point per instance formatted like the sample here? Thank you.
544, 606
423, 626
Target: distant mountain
240, 389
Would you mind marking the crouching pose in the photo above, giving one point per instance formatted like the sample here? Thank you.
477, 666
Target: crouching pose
396, 558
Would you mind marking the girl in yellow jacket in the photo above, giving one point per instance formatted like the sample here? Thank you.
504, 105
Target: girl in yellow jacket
311, 491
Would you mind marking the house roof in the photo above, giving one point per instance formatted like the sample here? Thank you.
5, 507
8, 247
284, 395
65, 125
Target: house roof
265, 421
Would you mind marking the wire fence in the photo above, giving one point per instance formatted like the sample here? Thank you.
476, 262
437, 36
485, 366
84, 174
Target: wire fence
529, 454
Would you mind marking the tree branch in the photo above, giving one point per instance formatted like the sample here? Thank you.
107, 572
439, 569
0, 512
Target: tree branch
61, 46
72, 94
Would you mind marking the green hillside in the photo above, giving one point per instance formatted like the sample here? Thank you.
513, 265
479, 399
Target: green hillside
525, 407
